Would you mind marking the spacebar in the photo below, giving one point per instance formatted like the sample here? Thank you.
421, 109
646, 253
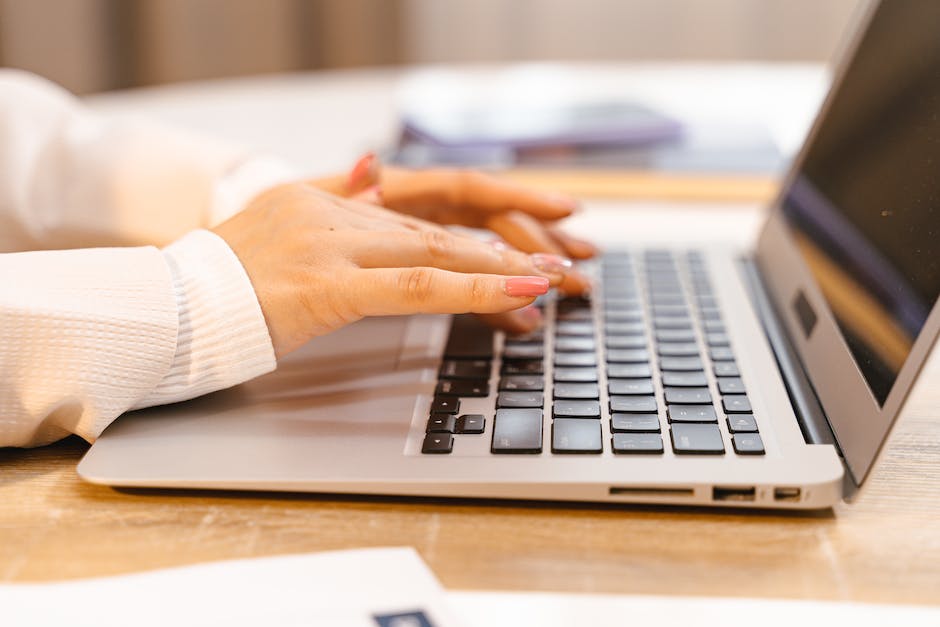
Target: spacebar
470, 338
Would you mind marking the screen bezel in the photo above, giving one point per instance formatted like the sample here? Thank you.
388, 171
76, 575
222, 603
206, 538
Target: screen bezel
859, 424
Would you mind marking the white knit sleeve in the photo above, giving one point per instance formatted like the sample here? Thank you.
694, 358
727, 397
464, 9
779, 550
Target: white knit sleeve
86, 335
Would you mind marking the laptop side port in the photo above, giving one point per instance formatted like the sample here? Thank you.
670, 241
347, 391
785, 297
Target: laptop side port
725, 493
787, 494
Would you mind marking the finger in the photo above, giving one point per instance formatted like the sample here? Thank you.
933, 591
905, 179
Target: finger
402, 291
524, 232
574, 247
365, 173
470, 192
517, 321
370, 195
441, 249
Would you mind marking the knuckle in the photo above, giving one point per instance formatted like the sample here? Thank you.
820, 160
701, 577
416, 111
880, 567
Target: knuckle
417, 284
480, 290
439, 244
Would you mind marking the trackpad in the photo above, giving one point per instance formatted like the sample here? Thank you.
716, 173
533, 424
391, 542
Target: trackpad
370, 345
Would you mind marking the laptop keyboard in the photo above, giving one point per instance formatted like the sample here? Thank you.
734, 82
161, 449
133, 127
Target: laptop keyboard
648, 355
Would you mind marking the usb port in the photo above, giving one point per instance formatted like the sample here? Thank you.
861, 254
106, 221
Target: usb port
723, 493
787, 494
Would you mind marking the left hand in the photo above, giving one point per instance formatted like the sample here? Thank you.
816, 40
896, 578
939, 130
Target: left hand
524, 218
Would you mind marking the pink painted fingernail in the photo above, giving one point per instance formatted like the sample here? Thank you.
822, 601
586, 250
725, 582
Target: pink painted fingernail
551, 264
532, 313
360, 171
526, 286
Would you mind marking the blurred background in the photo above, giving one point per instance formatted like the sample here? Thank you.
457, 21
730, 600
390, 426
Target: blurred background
98, 45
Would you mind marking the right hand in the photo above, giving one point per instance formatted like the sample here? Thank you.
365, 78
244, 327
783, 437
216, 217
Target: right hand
318, 262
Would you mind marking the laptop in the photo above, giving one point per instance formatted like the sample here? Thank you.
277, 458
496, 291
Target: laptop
701, 375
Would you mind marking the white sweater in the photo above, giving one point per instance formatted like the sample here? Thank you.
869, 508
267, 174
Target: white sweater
109, 322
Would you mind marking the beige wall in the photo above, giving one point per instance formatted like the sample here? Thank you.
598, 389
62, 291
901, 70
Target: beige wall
92, 45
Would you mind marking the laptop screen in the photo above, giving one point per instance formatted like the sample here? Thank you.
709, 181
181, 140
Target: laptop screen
864, 207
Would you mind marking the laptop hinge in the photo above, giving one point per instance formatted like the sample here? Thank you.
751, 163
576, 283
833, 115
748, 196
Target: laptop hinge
806, 406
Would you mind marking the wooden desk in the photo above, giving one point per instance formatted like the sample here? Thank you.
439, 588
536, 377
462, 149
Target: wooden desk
885, 547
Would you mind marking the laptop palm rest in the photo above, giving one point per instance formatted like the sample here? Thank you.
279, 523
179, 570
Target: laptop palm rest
357, 385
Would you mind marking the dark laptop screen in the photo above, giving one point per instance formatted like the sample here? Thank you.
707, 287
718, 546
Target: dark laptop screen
865, 206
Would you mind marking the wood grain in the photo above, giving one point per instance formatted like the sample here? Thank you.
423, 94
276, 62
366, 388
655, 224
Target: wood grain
885, 547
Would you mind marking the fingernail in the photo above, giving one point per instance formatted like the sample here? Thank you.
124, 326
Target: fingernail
526, 286
361, 170
532, 313
551, 264
498, 244
371, 195
565, 201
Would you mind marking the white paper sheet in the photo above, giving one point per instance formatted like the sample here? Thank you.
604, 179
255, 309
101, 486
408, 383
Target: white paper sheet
342, 588
545, 609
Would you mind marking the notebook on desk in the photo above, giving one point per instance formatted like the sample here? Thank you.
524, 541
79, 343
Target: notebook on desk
696, 375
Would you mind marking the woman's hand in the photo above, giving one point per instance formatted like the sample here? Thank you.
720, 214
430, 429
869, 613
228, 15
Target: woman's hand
318, 262
525, 218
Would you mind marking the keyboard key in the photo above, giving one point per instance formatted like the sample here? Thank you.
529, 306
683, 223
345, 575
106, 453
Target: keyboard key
583, 314
470, 338
736, 404
575, 359
681, 364
572, 435
521, 382
574, 344
629, 371
636, 443
532, 337
634, 422
523, 351
517, 431
465, 369
742, 423
471, 423
714, 325
575, 375
520, 399
445, 405
633, 404
630, 387
675, 335
720, 353
730, 385
664, 311
678, 349
709, 313
672, 322
716, 339
624, 328
621, 304
747, 444
685, 379
576, 390
469, 388
523, 366
691, 413
625, 341
627, 355
572, 327
688, 396
707, 302
696, 439
725, 369
437, 443
623, 316
577, 409
441, 423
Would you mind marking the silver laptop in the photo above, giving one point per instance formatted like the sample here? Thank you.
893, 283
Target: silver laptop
704, 375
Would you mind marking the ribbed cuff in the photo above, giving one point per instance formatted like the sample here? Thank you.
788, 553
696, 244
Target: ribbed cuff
223, 339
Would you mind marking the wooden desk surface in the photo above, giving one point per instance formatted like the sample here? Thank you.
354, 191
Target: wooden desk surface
884, 548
